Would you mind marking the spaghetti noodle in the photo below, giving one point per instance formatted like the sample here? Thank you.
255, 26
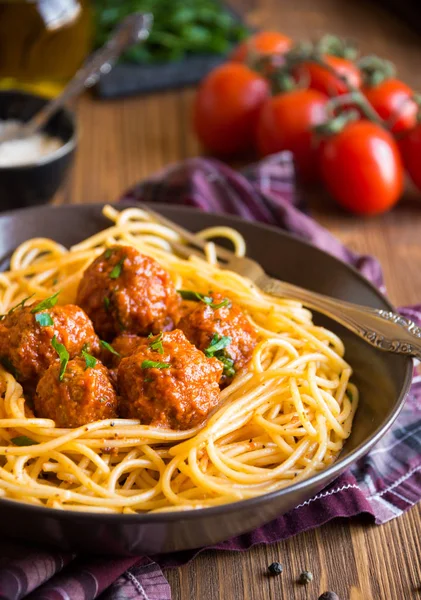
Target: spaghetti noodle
283, 419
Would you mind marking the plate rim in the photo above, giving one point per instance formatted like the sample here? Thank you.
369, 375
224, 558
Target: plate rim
329, 473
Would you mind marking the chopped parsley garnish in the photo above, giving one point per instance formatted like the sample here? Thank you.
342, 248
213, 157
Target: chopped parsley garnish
62, 354
197, 297
157, 344
217, 344
225, 302
108, 253
47, 303
23, 440
116, 271
8, 365
20, 304
107, 303
89, 359
108, 347
152, 364
44, 319
216, 349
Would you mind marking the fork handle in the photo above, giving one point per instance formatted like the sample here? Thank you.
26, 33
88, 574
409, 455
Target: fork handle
383, 329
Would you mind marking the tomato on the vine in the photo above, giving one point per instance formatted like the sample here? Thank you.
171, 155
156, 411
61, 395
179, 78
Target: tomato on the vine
334, 79
393, 101
285, 123
262, 43
226, 108
362, 168
410, 147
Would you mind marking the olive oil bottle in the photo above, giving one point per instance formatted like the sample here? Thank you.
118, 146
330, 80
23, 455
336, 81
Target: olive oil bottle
42, 43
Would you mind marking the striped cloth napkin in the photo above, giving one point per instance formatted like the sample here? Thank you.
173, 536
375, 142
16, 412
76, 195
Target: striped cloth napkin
382, 485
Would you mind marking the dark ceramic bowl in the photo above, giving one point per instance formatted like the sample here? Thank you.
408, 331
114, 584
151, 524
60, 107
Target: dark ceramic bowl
383, 380
37, 182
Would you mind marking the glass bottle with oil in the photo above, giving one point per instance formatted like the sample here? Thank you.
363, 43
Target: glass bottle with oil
42, 43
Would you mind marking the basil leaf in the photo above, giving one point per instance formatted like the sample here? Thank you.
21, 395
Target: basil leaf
116, 271
108, 347
89, 359
107, 303
23, 440
151, 364
47, 303
108, 253
62, 354
157, 344
217, 344
44, 319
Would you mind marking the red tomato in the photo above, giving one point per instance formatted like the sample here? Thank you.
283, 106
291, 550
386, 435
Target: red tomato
410, 147
285, 123
321, 78
265, 42
226, 108
362, 168
392, 100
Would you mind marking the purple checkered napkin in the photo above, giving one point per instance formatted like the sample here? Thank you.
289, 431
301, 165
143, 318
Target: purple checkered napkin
383, 484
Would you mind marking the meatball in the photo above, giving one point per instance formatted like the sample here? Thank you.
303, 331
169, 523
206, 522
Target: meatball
25, 340
125, 291
84, 395
168, 382
125, 345
204, 325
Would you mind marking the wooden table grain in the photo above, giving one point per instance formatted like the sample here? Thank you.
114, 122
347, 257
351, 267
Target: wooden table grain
123, 141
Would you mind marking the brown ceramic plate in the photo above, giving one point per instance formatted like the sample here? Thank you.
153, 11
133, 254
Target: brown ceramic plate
383, 380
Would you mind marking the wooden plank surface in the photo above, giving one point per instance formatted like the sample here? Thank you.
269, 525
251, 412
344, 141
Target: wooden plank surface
122, 142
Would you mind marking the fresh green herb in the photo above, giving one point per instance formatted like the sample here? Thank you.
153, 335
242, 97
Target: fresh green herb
148, 379
47, 303
228, 363
108, 347
305, 577
116, 271
225, 303
22, 440
8, 365
62, 354
89, 359
108, 253
180, 28
197, 297
21, 304
217, 344
44, 319
217, 349
157, 344
275, 568
152, 364
194, 296
107, 303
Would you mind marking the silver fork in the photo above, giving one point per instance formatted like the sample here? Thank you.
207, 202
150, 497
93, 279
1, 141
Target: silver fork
383, 329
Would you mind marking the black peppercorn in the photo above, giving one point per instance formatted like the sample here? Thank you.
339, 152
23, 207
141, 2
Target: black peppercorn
275, 568
329, 596
305, 577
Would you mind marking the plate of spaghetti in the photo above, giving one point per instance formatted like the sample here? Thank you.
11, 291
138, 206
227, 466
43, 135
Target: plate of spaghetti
150, 402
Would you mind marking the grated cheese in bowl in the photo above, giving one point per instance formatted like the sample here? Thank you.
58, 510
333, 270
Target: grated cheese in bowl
26, 151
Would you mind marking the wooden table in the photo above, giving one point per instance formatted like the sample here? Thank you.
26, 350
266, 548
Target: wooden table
126, 140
